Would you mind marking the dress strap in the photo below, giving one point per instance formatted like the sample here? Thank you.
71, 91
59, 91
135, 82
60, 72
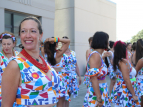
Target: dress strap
93, 53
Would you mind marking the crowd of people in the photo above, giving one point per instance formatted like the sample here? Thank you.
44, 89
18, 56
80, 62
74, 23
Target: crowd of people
123, 63
44, 75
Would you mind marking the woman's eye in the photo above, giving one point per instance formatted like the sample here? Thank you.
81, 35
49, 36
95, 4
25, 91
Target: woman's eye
23, 31
33, 31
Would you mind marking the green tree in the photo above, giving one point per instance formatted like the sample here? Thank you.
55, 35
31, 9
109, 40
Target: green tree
139, 35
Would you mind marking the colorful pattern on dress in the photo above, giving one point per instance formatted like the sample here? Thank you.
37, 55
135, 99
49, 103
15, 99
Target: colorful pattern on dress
3, 65
70, 75
139, 87
62, 90
36, 87
120, 94
129, 54
140, 83
90, 97
87, 78
111, 73
140, 72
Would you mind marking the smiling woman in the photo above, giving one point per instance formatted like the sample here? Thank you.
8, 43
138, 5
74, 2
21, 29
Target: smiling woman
7, 40
28, 79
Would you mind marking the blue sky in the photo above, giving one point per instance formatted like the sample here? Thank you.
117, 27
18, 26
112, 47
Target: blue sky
129, 18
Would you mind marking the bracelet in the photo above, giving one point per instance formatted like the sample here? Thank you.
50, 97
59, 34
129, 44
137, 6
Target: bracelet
54, 39
58, 39
99, 101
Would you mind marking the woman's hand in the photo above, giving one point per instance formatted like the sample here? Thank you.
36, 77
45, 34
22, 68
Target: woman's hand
80, 80
106, 54
99, 104
51, 40
135, 98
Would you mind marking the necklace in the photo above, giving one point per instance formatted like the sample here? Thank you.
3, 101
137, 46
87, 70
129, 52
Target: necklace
37, 59
43, 66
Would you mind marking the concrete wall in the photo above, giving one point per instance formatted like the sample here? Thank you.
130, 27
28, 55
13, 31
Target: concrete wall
42, 8
64, 20
80, 19
92, 16
2, 19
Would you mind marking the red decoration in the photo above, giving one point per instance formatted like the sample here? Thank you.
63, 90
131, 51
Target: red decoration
58, 39
42, 67
44, 95
29, 86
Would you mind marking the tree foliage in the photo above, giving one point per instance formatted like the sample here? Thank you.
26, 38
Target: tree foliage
139, 35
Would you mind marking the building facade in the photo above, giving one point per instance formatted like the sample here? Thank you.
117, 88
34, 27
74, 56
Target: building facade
80, 19
77, 19
12, 12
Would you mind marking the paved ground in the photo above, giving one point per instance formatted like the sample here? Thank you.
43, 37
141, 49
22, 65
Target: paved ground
78, 101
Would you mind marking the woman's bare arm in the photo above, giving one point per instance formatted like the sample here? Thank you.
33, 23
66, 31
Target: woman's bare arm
95, 62
139, 65
87, 54
78, 73
10, 83
65, 45
125, 69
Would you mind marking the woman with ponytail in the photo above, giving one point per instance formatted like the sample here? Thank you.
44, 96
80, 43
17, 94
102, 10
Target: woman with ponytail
139, 69
72, 70
8, 42
54, 58
124, 90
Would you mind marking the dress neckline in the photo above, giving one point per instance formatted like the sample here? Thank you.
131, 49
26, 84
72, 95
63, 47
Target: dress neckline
43, 66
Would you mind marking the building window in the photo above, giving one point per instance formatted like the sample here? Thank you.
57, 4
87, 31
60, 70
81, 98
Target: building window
12, 21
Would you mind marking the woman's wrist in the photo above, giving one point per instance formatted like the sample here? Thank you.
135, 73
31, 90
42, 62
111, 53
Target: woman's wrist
99, 100
56, 39
133, 94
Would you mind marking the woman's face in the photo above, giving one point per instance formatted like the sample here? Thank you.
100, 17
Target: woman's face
7, 45
29, 35
129, 46
90, 43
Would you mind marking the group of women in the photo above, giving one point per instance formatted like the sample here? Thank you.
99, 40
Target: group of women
28, 79
123, 63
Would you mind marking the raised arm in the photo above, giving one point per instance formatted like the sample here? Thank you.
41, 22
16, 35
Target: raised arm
65, 45
95, 62
10, 83
106, 54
